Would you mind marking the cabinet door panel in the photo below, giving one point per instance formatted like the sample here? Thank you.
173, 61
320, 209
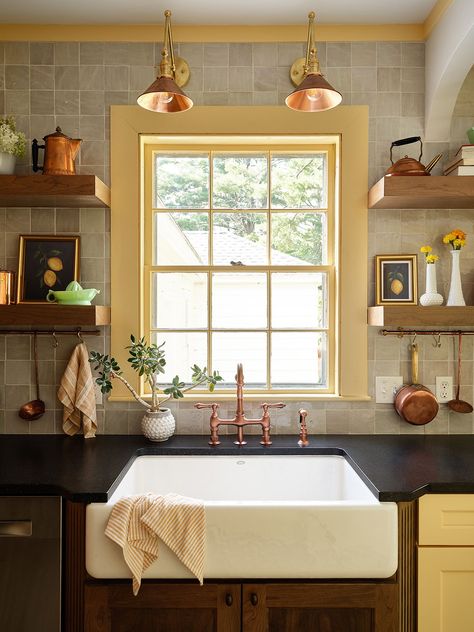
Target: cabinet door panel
320, 620
446, 519
163, 608
320, 607
445, 589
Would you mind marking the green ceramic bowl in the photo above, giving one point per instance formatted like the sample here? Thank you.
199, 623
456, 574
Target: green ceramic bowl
74, 297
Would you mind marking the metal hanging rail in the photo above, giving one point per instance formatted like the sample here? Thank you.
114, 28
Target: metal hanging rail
50, 332
400, 333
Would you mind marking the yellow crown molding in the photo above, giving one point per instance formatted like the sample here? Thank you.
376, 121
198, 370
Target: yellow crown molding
211, 33
435, 16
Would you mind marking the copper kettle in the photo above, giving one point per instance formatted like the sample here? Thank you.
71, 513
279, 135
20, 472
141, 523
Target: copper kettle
60, 152
410, 166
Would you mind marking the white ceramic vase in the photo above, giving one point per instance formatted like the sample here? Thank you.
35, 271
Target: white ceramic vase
159, 425
431, 297
7, 164
455, 297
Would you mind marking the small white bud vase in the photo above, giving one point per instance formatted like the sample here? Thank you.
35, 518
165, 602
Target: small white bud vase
7, 164
159, 425
455, 297
431, 297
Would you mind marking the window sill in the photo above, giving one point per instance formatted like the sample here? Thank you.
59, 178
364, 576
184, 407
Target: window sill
253, 397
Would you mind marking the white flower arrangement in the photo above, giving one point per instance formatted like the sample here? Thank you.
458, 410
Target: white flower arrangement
11, 141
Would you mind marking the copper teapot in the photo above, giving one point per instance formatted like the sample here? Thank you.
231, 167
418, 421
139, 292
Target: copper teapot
60, 152
410, 166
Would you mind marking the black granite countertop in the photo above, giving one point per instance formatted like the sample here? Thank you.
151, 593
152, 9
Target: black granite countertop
396, 467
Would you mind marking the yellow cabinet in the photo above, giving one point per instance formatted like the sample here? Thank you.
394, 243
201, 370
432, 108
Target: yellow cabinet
445, 589
446, 563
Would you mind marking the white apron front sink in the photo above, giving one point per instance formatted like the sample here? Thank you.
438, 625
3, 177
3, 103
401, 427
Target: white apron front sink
272, 516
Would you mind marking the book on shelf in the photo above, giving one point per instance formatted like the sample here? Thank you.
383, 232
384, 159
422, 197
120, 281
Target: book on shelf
457, 162
465, 151
462, 170
464, 156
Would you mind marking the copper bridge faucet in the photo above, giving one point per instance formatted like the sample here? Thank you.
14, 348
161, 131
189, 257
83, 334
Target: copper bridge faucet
240, 421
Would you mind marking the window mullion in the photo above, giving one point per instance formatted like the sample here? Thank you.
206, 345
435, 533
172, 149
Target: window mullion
211, 262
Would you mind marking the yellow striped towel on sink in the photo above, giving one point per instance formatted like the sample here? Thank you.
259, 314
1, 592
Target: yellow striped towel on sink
137, 523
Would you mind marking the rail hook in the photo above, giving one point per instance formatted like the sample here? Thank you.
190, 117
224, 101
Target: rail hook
55, 340
437, 340
79, 335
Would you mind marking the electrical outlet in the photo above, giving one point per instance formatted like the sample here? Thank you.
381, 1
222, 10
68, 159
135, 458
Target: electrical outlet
444, 389
99, 399
386, 387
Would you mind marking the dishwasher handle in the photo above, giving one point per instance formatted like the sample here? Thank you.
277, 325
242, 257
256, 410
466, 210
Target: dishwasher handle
16, 528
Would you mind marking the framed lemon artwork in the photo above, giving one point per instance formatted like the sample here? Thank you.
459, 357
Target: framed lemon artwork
46, 263
396, 280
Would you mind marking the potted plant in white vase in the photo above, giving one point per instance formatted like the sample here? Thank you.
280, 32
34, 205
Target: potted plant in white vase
158, 423
12, 145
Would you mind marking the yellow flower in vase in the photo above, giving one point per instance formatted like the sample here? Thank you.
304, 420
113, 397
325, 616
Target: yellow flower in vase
457, 239
429, 256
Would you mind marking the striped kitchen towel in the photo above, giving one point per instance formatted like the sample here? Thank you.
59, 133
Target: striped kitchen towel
137, 523
76, 393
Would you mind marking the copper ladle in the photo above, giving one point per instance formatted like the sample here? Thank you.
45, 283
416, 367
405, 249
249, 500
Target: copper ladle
456, 404
36, 408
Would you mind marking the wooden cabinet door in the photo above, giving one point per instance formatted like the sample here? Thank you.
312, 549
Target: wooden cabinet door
163, 608
445, 589
320, 607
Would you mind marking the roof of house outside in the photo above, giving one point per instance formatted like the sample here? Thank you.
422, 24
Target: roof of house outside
230, 247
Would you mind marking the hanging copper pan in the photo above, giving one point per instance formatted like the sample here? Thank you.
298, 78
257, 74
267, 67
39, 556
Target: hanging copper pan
414, 402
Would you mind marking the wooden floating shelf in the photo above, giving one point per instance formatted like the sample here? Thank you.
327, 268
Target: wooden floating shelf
32, 314
415, 316
423, 192
85, 191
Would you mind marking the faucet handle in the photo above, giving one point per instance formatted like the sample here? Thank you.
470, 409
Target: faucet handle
214, 407
276, 405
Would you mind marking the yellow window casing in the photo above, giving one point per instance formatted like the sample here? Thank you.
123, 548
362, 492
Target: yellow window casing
345, 128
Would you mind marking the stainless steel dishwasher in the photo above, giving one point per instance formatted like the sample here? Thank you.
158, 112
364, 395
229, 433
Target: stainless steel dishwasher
30, 564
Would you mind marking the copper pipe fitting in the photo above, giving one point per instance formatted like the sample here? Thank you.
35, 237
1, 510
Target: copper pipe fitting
240, 421
303, 440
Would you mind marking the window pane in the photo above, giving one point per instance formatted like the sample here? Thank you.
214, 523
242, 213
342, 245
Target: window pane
182, 351
240, 237
181, 181
179, 300
240, 181
299, 181
181, 239
250, 349
299, 239
239, 300
299, 300
299, 360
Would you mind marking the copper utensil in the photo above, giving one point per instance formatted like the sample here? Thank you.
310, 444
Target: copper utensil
414, 402
456, 404
36, 408
60, 152
7, 282
410, 166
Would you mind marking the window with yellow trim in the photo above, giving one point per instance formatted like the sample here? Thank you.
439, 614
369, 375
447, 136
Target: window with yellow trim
240, 261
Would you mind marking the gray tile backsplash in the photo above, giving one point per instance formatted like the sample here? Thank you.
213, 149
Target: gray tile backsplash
73, 84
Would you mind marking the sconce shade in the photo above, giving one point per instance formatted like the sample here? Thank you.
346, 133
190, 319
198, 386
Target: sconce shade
164, 95
314, 94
